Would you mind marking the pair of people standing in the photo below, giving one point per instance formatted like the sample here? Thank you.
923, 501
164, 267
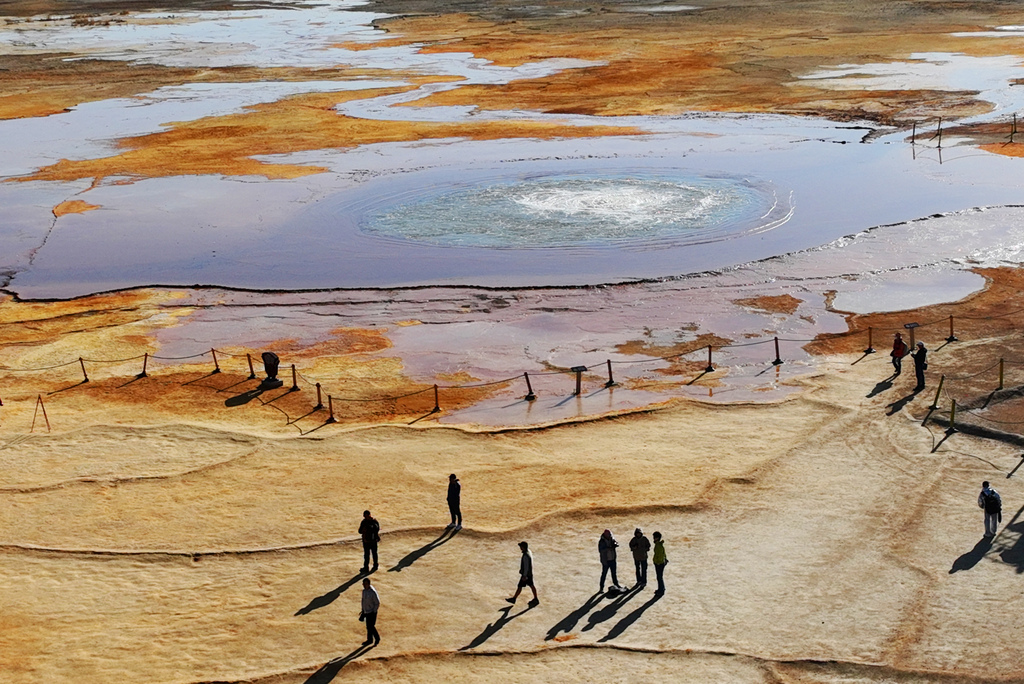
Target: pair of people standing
920, 357
640, 547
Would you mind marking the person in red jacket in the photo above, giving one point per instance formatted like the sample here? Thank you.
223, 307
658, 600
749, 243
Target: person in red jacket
899, 350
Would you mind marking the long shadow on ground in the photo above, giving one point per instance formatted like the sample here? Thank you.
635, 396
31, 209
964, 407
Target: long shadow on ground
569, 621
609, 611
972, 557
414, 556
330, 670
496, 626
329, 598
625, 622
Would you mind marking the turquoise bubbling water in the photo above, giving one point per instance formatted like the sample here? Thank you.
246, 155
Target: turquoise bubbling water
574, 211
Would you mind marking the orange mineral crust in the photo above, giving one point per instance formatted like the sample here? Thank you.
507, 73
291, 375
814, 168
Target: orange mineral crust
227, 144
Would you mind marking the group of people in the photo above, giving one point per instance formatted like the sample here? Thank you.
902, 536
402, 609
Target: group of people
639, 545
919, 355
639, 548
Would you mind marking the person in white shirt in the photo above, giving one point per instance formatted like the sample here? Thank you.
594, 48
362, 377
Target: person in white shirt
368, 613
525, 575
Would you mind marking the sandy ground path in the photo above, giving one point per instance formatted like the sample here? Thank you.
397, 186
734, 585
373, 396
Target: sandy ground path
828, 544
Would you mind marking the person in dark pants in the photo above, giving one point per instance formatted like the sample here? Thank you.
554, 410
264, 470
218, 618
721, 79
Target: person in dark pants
990, 502
640, 546
455, 501
368, 613
525, 575
899, 350
920, 365
660, 561
370, 531
606, 546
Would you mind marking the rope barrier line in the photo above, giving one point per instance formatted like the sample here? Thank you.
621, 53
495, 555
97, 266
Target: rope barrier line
968, 377
178, 358
33, 370
130, 358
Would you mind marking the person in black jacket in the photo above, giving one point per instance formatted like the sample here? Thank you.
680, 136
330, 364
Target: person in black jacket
920, 364
369, 529
990, 502
455, 501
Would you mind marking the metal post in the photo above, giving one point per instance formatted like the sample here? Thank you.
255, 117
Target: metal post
295, 380
938, 393
319, 401
1000, 374
778, 359
710, 368
84, 374
330, 409
145, 362
952, 337
530, 396
437, 401
216, 366
952, 418
611, 381
870, 349
252, 371
913, 134
578, 370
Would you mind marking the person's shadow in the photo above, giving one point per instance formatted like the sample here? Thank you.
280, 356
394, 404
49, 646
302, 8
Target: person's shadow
972, 557
625, 622
496, 626
412, 557
329, 598
898, 405
330, 670
882, 386
608, 612
569, 621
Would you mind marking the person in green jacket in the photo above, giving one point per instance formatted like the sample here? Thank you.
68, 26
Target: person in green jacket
660, 561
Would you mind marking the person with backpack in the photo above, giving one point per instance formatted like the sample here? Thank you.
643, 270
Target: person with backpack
640, 546
369, 529
606, 546
899, 350
990, 502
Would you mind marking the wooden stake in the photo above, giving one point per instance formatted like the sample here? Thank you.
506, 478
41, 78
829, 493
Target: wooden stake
611, 381
530, 396
952, 337
1000, 374
145, 362
778, 359
710, 368
938, 393
437, 402
295, 380
330, 408
319, 401
216, 366
252, 371
86, 375
870, 349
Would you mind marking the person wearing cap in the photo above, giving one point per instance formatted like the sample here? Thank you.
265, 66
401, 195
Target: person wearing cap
455, 501
899, 350
660, 561
640, 546
920, 365
606, 546
990, 502
525, 575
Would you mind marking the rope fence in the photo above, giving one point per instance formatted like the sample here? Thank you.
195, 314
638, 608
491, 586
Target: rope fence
576, 371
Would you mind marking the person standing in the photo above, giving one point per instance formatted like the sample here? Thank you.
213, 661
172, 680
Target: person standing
990, 502
640, 546
606, 546
525, 575
899, 350
368, 612
660, 561
455, 501
369, 528
920, 365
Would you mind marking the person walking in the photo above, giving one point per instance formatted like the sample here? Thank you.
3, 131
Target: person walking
525, 575
455, 502
660, 561
640, 546
990, 502
606, 546
369, 528
368, 612
920, 365
899, 350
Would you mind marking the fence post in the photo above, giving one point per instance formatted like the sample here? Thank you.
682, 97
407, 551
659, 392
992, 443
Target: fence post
1000, 374
295, 380
145, 362
938, 393
84, 374
530, 396
611, 381
952, 337
871, 348
578, 370
252, 371
778, 359
710, 368
216, 366
319, 401
952, 418
330, 409
39, 405
437, 401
